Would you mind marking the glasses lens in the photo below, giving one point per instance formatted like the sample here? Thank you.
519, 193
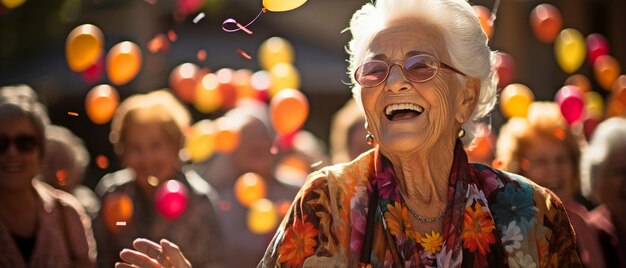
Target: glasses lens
420, 68
371, 73
25, 143
4, 143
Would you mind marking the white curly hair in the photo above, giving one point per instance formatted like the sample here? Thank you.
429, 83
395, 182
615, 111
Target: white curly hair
465, 40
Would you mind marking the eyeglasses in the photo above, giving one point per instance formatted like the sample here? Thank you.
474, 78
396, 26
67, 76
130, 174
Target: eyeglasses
24, 143
418, 69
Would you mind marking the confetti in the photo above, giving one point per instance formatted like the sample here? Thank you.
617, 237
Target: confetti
172, 36
244, 54
201, 55
102, 162
61, 176
72, 113
120, 223
316, 164
199, 17
159, 43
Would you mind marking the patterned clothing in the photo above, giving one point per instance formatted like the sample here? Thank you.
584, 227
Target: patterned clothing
196, 231
63, 236
495, 219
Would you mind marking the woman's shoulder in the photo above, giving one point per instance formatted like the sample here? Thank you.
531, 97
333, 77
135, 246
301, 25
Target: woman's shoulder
354, 173
492, 181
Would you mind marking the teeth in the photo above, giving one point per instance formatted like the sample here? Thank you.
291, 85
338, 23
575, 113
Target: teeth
403, 106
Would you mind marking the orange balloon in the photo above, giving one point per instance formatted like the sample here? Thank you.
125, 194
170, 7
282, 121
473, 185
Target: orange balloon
606, 69
117, 211
617, 101
208, 98
242, 79
123, 62
227, 88
484, 17
546, 22
580, 81
249, 188
183, 81
292, 169
83, 47
515, 100
227, 137
101, 103
288, 109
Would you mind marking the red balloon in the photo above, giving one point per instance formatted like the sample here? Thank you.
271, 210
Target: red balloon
183, 81
94, 73
505, 66
546, 22
589, 125
597, 46
571, 101
289, 109
171, 199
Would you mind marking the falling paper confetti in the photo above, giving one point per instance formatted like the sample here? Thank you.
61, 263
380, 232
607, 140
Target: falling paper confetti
172, 35
120, 223
199, 17
159, 43
102, 162
244, 54
72, 113
201, 55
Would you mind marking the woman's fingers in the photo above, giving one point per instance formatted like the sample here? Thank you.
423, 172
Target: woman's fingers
147, 247
175, 257
137, 258
124, 265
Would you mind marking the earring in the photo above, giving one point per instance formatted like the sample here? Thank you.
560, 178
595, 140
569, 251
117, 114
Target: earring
461, 133
369, 138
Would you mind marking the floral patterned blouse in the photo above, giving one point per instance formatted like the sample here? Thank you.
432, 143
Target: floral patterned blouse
496, 219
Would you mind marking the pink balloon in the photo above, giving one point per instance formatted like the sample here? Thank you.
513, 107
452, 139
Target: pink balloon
171, 199
570, 99
597, 46
505, 66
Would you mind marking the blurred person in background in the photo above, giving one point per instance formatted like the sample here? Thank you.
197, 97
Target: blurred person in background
222, 170
147, 134
603, 170
543, 148
64, 166
39, 225
346, 133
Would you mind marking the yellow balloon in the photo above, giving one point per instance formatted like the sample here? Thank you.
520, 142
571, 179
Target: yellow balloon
282, 76
274, 51
208, 98
282, 5
570, 50
123, 62
14, 3
262, 217
515, 100
594, 104
200, 141
83, 47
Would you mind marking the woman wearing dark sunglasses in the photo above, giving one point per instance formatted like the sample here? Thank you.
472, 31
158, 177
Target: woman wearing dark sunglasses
423, 75
39, 226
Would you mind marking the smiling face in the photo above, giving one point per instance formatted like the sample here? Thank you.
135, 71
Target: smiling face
407, 117
18, 167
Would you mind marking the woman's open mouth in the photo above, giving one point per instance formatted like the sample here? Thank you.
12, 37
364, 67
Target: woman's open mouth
403, 111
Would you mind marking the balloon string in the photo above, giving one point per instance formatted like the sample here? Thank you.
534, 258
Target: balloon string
496, 5
239, 26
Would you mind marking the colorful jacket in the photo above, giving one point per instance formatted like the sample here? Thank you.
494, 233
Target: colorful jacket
496, 219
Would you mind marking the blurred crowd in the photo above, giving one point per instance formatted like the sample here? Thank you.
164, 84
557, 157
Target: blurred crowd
218, 188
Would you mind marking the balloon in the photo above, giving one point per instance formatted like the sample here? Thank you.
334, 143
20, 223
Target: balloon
569, 49
208, 98
83, 47
282, 5
171, 198
589, 126
580, 81
260, 81
123, 62
262, 217
249, 188
101, 103
484, 17
283, 75
94, 73
227, 88
617, 101
619, 84
242, 80
606, 69
292, 169
12, 3
200, 140
570, 99
505, 66
594, 104
187, 7
117, 211
597, 46
227, 136
288, 109
183, 79
546, 22
515, 99
273, 51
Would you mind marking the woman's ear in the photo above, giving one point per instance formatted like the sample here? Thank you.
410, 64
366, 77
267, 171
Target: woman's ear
468, 99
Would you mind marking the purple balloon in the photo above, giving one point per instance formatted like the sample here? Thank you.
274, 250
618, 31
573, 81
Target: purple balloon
570, 99
171, 199
597, 46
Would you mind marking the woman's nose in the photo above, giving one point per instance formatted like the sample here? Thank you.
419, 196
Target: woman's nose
396, 81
